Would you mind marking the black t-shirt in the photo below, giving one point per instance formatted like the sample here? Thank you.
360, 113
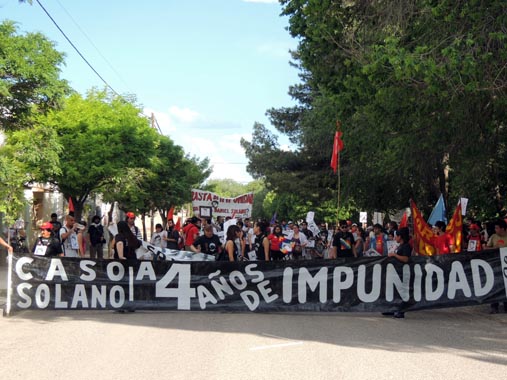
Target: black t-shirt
96, 234
210, 246
307, 233
129, 252
259, 247
175, 235
343, 243
404, 250
47, 247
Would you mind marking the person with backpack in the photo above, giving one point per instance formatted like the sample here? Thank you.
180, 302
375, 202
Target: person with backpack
68, 237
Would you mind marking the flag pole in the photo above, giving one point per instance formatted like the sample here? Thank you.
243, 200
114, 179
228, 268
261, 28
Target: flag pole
338, 128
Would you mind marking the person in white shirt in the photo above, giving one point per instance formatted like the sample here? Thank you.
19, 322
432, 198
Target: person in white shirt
68, 237
159, 237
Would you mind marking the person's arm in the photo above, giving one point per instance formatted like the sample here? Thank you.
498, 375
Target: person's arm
242, 243
119, 248
229, 247
196, 249
265, 243
111, 248
403, 259
304, 240
6, 245
80, 244
452, 246
66, 234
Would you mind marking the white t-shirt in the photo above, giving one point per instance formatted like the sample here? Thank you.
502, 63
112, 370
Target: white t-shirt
158, 239
70, 245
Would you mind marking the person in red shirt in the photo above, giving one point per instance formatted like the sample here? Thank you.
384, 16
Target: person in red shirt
274, 243
443, 242
474, 238
191, 232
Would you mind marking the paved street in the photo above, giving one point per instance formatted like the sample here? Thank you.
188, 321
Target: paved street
462, 343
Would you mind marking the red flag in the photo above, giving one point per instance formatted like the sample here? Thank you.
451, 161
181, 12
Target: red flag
404, 220
455, 228
423, 235
337, 148
177, 227
71, 205
170, 213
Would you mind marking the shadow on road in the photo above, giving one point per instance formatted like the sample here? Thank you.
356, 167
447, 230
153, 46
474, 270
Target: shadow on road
468, 330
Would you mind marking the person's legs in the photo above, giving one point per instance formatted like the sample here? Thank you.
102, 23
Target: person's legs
93, 251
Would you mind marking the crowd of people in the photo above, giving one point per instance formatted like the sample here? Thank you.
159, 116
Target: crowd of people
243, 239
230, 239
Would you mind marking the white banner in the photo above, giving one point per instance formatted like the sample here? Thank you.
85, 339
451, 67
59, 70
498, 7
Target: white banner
238, 207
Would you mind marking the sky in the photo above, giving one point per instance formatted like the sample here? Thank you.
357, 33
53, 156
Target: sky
207, 69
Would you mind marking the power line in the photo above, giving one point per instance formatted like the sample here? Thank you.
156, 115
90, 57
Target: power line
76, 49
91, 42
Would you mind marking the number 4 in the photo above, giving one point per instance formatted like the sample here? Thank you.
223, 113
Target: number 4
183, 292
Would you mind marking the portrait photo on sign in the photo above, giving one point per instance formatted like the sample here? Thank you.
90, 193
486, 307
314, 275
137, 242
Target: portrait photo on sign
205, 212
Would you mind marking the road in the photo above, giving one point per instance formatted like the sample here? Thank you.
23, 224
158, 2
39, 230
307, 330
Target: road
461, 343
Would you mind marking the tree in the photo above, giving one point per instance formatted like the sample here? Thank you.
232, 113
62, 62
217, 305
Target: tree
29, 77
29, 88
420, 88
104, 141
167, 182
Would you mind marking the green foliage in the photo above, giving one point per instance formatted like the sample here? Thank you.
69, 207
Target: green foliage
105, 142
420, 88
29, 77
12, 177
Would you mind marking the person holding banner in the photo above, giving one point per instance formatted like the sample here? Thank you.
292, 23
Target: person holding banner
47, 243
191, 232
231, 249
209, 243
125, 243
402, 254
261, 242
498, 240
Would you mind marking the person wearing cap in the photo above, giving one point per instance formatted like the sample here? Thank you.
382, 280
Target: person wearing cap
47, 243
474, 238
131, 219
